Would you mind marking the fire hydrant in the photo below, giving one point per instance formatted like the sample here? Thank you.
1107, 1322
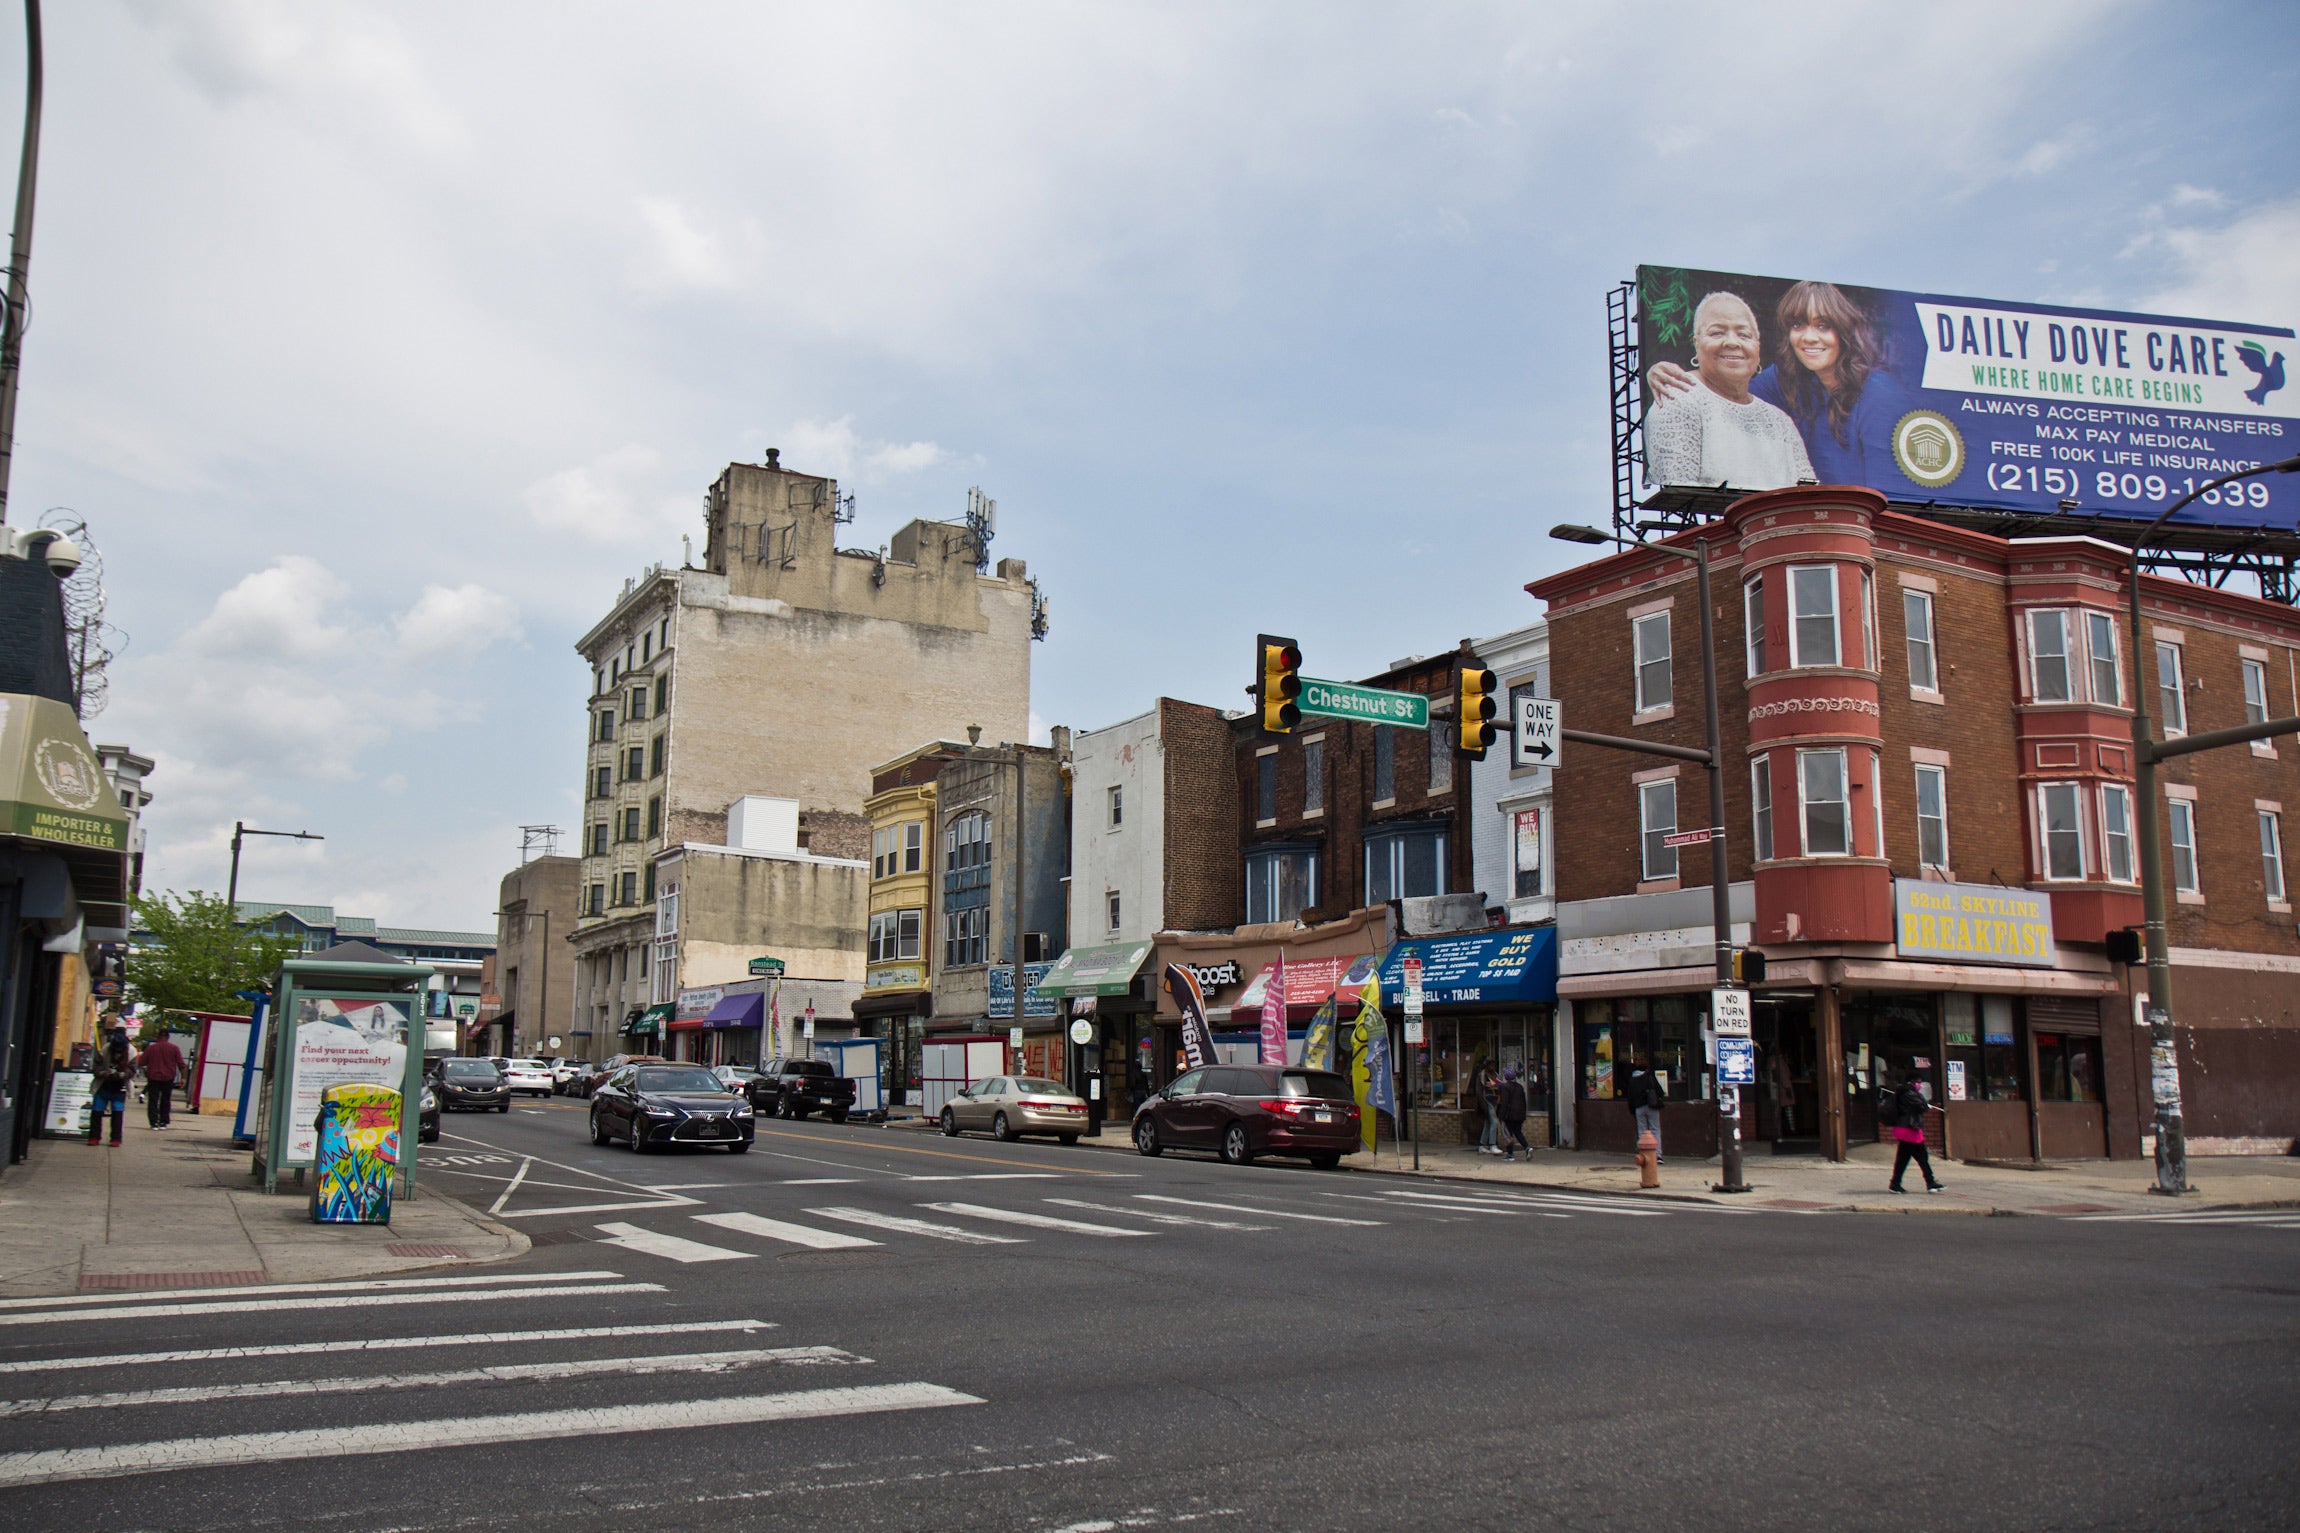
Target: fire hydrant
1648, 1160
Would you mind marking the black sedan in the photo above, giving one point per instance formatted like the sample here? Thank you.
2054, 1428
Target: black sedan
471, 1085
648, 1106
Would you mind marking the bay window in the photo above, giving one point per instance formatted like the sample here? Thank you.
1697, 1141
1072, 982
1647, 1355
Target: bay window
1821, 800
2049, 678
1813, 614
2116, 832
2060, 825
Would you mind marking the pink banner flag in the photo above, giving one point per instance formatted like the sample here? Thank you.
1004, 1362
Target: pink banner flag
1274, 1015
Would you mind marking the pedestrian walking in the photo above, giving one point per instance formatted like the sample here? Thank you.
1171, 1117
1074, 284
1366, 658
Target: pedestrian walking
1509, 1106
1910, 1106
1645, 1099
163, 1065
115, 1067
1489, 1099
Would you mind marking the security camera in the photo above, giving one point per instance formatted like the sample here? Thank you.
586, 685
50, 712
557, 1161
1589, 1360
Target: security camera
63, 557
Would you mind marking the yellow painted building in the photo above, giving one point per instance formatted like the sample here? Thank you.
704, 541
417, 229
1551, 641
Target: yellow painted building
898, 968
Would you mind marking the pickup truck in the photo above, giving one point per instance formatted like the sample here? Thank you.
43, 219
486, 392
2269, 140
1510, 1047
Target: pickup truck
793, 1088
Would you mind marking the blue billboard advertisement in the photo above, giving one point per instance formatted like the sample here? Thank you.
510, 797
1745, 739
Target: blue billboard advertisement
1757, 383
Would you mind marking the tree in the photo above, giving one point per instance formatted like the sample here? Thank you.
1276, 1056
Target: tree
198, 958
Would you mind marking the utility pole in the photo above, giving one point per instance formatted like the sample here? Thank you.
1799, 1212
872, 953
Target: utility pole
20, 251
2163, 1054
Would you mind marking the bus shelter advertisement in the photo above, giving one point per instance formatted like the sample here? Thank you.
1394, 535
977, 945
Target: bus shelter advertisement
1762, 382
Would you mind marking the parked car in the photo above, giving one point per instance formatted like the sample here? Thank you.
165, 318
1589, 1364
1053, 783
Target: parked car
529, 1077
598, 1073
1241, 1111
736, 1078
793, 1088
650, 1105
567, 1075
470, 1085
1013, 1105
427, 1116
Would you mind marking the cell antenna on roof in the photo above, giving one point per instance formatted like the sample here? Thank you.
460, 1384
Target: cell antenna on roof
532, 837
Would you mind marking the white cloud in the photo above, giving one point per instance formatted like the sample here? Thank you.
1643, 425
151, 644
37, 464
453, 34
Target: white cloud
623, 496
2240, 270
837, 449
459, 619
683, 255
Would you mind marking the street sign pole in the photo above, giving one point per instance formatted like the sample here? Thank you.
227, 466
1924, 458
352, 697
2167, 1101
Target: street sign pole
1415, 1035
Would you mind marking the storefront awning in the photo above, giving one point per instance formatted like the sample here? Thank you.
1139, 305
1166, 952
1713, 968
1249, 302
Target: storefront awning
1106, 970
736, 1011
1516, 966
649, 1023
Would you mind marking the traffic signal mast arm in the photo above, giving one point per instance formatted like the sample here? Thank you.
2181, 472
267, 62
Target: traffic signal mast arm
1647, 747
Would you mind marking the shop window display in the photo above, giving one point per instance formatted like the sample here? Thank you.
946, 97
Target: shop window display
1664, 1031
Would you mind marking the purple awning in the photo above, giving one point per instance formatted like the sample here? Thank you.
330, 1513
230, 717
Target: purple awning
737, 1011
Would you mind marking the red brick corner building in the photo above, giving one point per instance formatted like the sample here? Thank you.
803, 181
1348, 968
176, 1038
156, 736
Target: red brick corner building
1932, 829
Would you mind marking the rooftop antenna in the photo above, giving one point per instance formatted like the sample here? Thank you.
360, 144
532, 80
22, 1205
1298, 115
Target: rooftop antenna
981, 526
533, 836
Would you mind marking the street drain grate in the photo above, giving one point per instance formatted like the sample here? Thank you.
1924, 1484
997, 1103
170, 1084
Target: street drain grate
556, 1237
168, 1279
418, 1249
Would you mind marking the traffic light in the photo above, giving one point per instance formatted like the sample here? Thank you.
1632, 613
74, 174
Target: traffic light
1748, 966
1474, 708
2124, 945
1277, 682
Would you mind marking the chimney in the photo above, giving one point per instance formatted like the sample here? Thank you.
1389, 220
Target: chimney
775, 459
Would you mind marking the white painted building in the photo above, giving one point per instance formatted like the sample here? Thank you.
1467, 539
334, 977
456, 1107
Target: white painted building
1118, 832
1514, 839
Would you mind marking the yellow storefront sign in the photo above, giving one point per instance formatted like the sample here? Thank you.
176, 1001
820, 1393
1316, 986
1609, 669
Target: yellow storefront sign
1972, 923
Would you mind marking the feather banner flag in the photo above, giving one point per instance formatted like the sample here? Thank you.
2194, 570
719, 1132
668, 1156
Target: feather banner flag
1273, 1049
1197, 1037
1318, 1042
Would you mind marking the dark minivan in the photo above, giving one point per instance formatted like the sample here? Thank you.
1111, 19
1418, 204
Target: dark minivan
1241, 1111
470, 1085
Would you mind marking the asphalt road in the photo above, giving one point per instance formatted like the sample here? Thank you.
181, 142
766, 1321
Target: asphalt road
867, 1328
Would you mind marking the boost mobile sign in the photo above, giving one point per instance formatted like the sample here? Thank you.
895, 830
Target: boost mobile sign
1961, 401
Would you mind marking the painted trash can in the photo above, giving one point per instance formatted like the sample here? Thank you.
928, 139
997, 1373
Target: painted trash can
358, 1153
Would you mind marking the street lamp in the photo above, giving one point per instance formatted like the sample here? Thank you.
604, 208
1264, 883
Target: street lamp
1721, 911
2164, 1064
239, 830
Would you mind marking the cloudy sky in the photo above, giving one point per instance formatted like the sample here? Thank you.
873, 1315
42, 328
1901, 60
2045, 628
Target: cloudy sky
378, 344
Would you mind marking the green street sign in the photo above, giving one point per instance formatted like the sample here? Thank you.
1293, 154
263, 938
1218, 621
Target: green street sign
770, 968
1368, 705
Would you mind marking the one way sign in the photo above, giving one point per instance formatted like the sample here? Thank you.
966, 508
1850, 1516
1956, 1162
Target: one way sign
1538, 721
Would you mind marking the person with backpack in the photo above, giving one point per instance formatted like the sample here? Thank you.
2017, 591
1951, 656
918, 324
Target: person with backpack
1645, 1099
115, 1068
1910, 1105
1510, 1105
1489, 1100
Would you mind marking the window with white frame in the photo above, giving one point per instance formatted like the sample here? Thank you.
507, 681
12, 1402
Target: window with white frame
913, 845
1525, 853
2100, 654
1869, 619
1650, 634
894, 935
1656, 823
966, 938
2060, 824
2255, 676
1933, 817
2171, 694
1117, 806
1753, 622
1111, 899
1917, 618
2116, 832
1761, 805
2271, 856
966, 843
1406, 863
2180, 826
2050, 680
1281, 882
1813, 614
1876, 804
1821, 803
1314, 776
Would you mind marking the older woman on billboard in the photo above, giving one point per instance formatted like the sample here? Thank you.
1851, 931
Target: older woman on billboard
1828, 375
1714, 430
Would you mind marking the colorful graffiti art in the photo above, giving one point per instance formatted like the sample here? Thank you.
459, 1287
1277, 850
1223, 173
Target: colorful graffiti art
357, 1154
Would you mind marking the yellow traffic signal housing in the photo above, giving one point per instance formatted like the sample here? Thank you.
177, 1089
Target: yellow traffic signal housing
1474, 708
1748, 966
1277, 682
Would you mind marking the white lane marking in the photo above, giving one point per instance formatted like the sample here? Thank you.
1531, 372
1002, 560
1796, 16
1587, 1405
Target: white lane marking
1463, 1205
331, 1301
818, 1181
991, 1176
113, 1460
1154, 1216
1518, 1204
255, 1290
385, 1344
2280, 1221
776, 1229
1259, 1213
512, 1186
560, 1165
694, 1186
665, 1362
599, 1208
1031, 1221
900, 1225
672, 1247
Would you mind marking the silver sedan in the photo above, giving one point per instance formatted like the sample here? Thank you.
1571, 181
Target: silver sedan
1013, 1105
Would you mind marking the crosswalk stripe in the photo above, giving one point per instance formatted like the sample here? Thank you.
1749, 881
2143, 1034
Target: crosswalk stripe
791, 1234
630, 1206
1513, 1205
1030, 1221
113, 1460
1156, 1217
382, 1344
1463, 1206
329, 1301
252, 1290
901, 1225
1259, 1213
666, 1362
632, 1238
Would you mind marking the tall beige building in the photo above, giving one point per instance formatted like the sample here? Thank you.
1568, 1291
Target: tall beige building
784, 666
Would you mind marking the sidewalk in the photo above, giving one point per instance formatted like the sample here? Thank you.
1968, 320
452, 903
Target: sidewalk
1808, 1183
177, 1208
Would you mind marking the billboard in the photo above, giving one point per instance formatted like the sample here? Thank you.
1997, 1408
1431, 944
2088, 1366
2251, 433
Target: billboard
1760, 382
